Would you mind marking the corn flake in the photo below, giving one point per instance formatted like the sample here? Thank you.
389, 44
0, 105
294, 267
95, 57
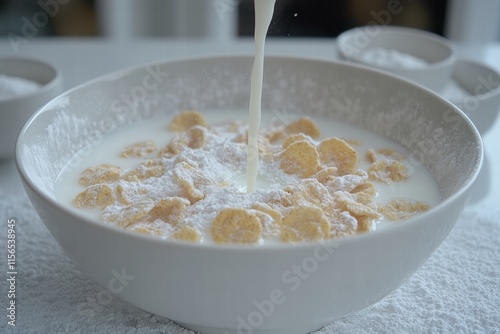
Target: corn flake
401, 209
347, 182
96, 196
366, 188
365, 215
342, 223
366, 223
169, 210
195, 137
263, 207
365, 199
104, 173
309, 192
293, 138
276, 135
384, 153
305, 223
337, 153
326, 175
387, 171
128, 215
139, 150
192, 180
127, 194
156, 228
147, 169
304, 125
236, 226
187, 233
185, 120
270, 219
281, 199
349, 202
300, 158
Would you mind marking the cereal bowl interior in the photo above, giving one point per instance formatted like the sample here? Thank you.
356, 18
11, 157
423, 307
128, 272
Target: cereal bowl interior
283, 288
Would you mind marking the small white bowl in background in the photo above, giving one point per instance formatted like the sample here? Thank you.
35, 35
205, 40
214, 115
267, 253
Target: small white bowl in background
475, 89
401, 51
15, 110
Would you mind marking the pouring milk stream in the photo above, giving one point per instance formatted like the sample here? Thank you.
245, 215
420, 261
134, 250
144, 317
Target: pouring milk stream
263, 14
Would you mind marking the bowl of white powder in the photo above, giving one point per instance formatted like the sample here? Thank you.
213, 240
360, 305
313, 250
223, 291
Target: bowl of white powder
25, 86
277, 286
418, 55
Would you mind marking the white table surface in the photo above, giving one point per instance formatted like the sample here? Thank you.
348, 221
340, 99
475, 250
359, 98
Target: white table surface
82, 59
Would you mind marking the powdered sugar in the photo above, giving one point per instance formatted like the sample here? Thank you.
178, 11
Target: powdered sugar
389, 58
11, 87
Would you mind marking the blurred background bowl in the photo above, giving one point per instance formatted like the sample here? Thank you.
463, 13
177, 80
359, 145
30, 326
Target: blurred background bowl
15, 110
475, 89
397, 50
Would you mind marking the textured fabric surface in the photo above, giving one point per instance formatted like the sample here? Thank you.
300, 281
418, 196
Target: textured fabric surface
456, 291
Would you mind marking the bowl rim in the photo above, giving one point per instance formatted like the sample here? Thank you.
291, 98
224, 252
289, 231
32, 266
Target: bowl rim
43, 89
343, 37
335, 242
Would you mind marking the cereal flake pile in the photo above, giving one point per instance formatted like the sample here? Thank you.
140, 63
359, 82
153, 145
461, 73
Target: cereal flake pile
187, 190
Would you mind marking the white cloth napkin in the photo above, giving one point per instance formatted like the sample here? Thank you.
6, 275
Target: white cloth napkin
456, 291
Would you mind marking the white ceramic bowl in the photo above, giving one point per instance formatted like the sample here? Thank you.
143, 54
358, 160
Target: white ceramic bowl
481, 87
15, 111
439, 54
236, 289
